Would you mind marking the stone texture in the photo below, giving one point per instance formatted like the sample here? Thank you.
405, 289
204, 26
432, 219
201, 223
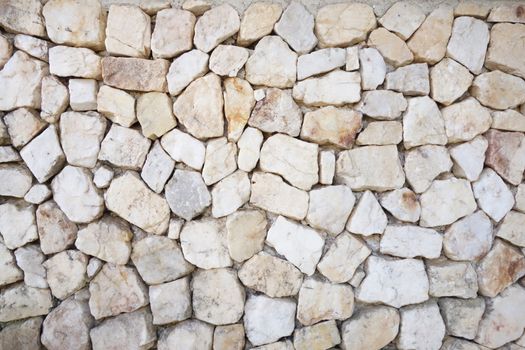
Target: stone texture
320, 61
508, 120
246, 231
128, 31
407, 241
116, 105
54, 98
227, 60
23, 335
135, 73
368, 217
493, 195
421, 327
326, 167
189, 334
124, 147
452, 279
402, 18
30, 258
65, 61
469, 238
258, 20
238, 104
502, 54
449, 80
372, 67
229, 337
6, 50
402, 204
66, 273
505, 154
173, 33
83, 94
324, 335
11, 272
187, 194
296, 27
22, 17
465, 120
423, 164
510, 228
157, 168
498, 90
329, 208
55, 230
17, 224
219, 161
462, 316
19, 301
382, 104
184, 148
185, 69
468, 43
15, 180
154, 113
230, 194
170, 302
391, 47
469, 158
215, 26
423, 123
23, 125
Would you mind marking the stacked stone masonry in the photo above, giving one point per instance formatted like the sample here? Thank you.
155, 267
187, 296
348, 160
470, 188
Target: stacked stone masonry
194, 176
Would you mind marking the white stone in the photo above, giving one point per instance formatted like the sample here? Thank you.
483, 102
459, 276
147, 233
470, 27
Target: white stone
15, 180
508, 120
328, 89
29, 258
185, 69
55, 230
249, 148
452, 279
423, 164
128, 31
157, 168
407, 241
498, 90
493, 195
468, 42
19, 301
402, 18
174, 228
23, 125
258, 21
329, 208
296, 27
189, 334
124, 147
382, 104
22, 17
35, 47
10, 271
462, 316
421, 327
469, 158
469, 238
54, 98
230, 194
239, 101
37, 194
215, 26
9, 154
66, 273
412, 80
368, 217
227, 60
323, 335
170, 302
116, 105
299, 244
394, 50
187, 194
326, 167
83, 94
320, 61
352, 58
246, 232
449, 80
402, 204
220, 160
465, 120
511, 228
423, 123
103, 176
184, 148
65, 61
173, 33
394, 282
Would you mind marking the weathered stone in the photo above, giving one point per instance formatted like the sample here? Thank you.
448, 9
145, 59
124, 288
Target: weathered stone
508, 120
507, 12
258, 21
326, 167
185, 69
372, 67
189, 334
503, 54
19, 301
452, 279
157, 168
66, 273
238, 104
493, 195
505, 154
15, 180
462, 316
511, 228
469, 238
55, 230
280, 345
331, 125
35, 47
220, 160
215, 26
132, 200
154, 113
468, 43
421, 327
229, 337
382, 104
128, 31
22, 17
473, 9
402, 18
184, 148
65, 61
8, 154
10, 271
391, 47
411, 241
170, 302
423, 123
352, 58
6, 50
174, 228
498, 90
344, 24
469, 158
124, 147
135, 73
54, 99
173, 33
246, 231
402, 204
412, 80
520, 198
117, 105
296, 27
324, 335
359, 168
23, 335
23, 124
465, 120
30, 258
102, 176
83, 94
320, 61
227, 60
230, 194
449, 80
272, 64
329, 208
187, 194
368, 217
423, 164
17, 224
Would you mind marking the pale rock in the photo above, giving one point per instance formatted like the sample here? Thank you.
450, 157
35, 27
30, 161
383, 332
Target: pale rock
190, 334
372, 68
500, 268
270, 275
9, 154
299, 244
23, 335
423, 164
157, 168
66, 273
75, 23
272, 64
507, 12
423, 123
465, 120
506, 154
6, 50
230, 194
408, 241
184, 148
394, 50
55, 230
277, 112
329, 208
450, 343
116, 105
37, 194
368, 217
22, 17
174, 228
135, 73
65, 61
35, 47
342, 258
133, 330
520, 198
280, 345
452, 279
429, 42
17, 224
23, 124
511, 228
238, 104
197, 7
508, 120
296, 27
402, 18
344, 24
128, 31
30, 258
323, 335
469, 158
93, 267
83, 94
204, 243
382, 104
227, 60
469, 238
266, 319
402, 204
173, 33
359, 168
462, 316
421, 327
331, 125
21, 79
151, 7
124, 147
352, 58
493, 195
19, 301
15, 180
372, 328
411, 80
102, 176
503, 53
129, 198
185, 69
220, 160
246, 232
170, 302
215, 26
12, 273
218, 297
473, 9
258, 21
154, 113
229, 337
249, 148
394, 282
200, 107
504, 319
498, 90
449, 80
187, 194
108, 239
322, 91
326, 167
320, 61
468, 42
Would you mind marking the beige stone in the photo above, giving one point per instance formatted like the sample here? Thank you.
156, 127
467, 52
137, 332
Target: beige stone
19, 301
507, 12
423, 123
215, 26
465, 120
157, 168
219, 161
66, 273
320, 61
469, 158
65, 61
504, 53
55, 230
382, 104
468, 43
154, 113
23, 335
197, 7
452, 279
423, 164
135, 73
327, 90
83, 94
227, 60
229, 337
230, 193
329, 208
296, 27
22, 17
323, 335
189, 334
449, 80
23, 125
473, 9
505, 154
35, 47
124, 147
54, 99
185, 69
246, 231
184, 148
173, 33
402, 204
238, 104
510, 228
392, 48
381, 133
508, 120
410, 80
116, 105
421, 327
402, 18
469, 238
128, 31
498, 90
6, 50
258, 20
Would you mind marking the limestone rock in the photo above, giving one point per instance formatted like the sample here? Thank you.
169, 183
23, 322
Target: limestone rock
329, 208
154, 113
66, 273
170, 302
219, 161
402, 204
323, 335
238, 104
394, 282
15, 180
344, 24
8, 154
368, 217
173, 33
403, 18
227, 60
30, 258
54, 99
124, 147
215, 26
507, 13
508, 120
185, 69
65, 61
197, 7
6, 50
35, 47
128, 31
352, 58
19, 301
510, 228
465, 120
449, 80
189, 334
473, 9
326, 167
520, 198
187, 194
23, 335
391, 47
246, 231
258, 21
498, 90
296, 27
229, 337
423, 123
462, 316
421, 327
117, 105
469, 158
23, 125
493, 195
372, 67
505, 154
132, 200
17, 224
452, 279
10, 271
320, 61
502, 54
135, 73
410, 80
22, 17
230, 194
468, 43
423, 164
102, 176
272, 64
411, 241
382, 104
55, 230
469, 238
83, 94
184, 148
157, 168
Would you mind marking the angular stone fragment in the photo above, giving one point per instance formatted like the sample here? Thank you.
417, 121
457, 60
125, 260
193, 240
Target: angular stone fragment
371, 328
511, 228
157, 168
215, 26
508, 120
133, 330
189, 334
9, 154
124, 147
249, 149
35, 47
230, 194
368, 217
359, 168
6, 50
498, 90
238, 104
402, 204
320, 61
469, 158
10, 271
184, 148
22, 17
173, 33
503, 54
19, 301
411, 241
102, 176
29, 258
21, 78
452, 279
272, 64
15, 180
128, 31
185, 69
54, 99
352, 58
66, 272
65, 61
219, 161
423, 164
469, 238
135, 73
429, 42
462, 316
344, 24
329, 208
23, 335
449, 80
507, 12
246, 231
258, 21
372, 67
326, 167
473, 9
187, 194
23, 125
402, 18
468, 43
412, 80
391, 47
493, 195
155, 115
465, 120
117, 105
520, 198
17, 224
83, 94
501, 267
55, 230
421, 327
170, 302
296, 27
324, 335
382, 104
506, 154
227, 60
132, 200
267, 319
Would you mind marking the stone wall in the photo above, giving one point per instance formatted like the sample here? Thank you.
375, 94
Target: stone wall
272, 176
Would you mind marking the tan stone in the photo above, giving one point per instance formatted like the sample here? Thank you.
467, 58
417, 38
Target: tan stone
238, 104
465, 120
508, 120
504, 51
472, 9
246, 231
328, 89
381, 133
498, 90
506, 154
135, 73
258, 20
423, 164
449, 80
22, 16
423, 123
382, 104
173, 33
508, 12
323, 335
402, 18
154, 114
393, 49
117, 105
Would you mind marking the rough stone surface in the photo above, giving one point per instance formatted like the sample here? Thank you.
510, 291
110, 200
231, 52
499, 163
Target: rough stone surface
65, 61
421, 327
368, 217
498, 90
411, 80
66, 273
449, 80
462, 316
469, 238
330, 125
411, 241
214, 26
185, 69
296, 27
124, 147
423, 164
505, 154
135, 73
468, 43
154, 113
